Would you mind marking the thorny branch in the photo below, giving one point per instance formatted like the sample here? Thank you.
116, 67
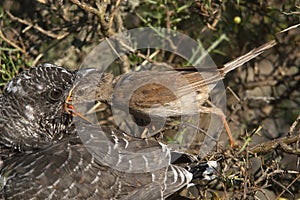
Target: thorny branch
8, 41
281, 143
37, 27
101, 13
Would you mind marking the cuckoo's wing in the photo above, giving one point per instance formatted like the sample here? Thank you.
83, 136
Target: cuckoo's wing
123, 152
136, 155
66, 170
69, 170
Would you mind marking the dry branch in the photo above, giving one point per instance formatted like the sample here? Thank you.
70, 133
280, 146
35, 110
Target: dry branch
278, 143
37, 27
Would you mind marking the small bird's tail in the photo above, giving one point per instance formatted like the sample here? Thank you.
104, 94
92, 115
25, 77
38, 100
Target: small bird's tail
246, 57
252, 54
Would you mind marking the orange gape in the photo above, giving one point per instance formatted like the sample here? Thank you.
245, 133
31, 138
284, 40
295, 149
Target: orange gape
70, 108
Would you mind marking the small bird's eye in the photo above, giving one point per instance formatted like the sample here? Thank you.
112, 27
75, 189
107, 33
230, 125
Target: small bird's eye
55, 94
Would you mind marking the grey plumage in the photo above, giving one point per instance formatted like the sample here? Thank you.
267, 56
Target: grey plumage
47, 154
32, 107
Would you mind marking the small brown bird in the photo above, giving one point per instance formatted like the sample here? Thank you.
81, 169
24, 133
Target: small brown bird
158, 94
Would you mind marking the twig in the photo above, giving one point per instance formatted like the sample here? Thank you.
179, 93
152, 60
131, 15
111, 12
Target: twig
37, 27
292, 128
285, 189
113, 49
115, 12
87, 8
248, 139
296, 179
100, 13
11, 43
278, 143
36, 60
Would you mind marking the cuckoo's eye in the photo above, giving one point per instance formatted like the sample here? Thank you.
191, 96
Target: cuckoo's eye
55, 94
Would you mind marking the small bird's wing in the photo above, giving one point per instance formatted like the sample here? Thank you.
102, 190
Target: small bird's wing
151, 90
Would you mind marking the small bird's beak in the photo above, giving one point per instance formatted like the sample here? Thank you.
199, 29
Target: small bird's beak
69, 107
84, 72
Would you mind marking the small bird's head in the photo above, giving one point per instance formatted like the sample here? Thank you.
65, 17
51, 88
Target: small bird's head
32, 107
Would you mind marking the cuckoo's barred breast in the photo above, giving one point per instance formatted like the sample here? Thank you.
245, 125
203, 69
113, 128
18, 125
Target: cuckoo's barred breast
48, 154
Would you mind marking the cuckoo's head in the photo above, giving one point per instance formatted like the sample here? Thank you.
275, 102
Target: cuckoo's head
32, 107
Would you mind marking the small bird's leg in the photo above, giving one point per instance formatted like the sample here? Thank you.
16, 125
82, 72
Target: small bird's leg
231, 140
219, 112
